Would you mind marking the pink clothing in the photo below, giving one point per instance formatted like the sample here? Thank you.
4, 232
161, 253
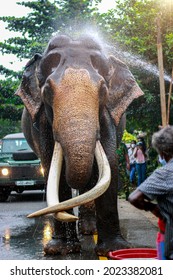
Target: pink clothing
140, 158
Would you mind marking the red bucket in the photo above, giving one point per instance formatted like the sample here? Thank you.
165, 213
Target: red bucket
134, 253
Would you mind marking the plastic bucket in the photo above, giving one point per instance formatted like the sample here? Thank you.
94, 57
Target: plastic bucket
136, 253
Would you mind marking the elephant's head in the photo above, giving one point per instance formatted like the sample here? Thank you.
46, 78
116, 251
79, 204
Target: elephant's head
74, 80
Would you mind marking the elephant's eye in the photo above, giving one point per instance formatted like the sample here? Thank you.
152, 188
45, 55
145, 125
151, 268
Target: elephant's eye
49, 64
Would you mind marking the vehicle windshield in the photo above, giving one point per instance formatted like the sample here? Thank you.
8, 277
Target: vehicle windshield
13, 145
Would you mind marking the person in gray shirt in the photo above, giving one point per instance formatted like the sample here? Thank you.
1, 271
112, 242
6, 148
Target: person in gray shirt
159, 187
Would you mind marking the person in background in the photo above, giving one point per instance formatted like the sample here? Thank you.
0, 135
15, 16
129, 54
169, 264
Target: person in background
159, 187
141, 165
141, 139
132, 160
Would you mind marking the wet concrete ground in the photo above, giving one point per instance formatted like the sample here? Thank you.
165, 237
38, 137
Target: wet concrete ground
138, 227
22, 238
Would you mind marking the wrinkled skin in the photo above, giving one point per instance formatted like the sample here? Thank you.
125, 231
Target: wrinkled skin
76, 95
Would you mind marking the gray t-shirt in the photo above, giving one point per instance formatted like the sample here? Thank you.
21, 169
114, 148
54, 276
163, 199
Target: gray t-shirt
159, 187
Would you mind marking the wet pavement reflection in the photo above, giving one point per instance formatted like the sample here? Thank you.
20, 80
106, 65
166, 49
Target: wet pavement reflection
23, 239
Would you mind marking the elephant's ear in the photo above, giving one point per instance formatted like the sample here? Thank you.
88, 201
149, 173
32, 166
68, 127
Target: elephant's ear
123, 89
29, 90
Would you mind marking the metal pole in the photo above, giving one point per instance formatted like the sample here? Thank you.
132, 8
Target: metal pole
169, 98
161, 73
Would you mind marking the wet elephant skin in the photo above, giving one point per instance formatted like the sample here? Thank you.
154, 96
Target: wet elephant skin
75, 94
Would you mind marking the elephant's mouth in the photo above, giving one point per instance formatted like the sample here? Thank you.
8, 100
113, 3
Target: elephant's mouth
58, 208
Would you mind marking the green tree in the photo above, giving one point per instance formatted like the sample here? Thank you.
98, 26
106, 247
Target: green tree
133, 26
45, 19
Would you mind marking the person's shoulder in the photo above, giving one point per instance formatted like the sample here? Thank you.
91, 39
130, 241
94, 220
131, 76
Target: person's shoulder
168, 167
165, 170
130, 150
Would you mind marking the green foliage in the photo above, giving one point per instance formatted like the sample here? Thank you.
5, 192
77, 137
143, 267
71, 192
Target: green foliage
9, 111
133, 25
10, 105
128, 137
152, 162
7, 90
9, 126
133, 28
45, 19
124, 185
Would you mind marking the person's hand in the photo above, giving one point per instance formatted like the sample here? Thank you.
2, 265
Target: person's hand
156, 212
128, 166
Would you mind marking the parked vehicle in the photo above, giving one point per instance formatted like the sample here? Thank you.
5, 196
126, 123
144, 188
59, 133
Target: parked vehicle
20, 169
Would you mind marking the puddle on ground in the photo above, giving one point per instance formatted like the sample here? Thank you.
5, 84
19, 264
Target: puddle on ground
27, 243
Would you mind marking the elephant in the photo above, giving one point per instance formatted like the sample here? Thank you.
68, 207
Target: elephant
75, 96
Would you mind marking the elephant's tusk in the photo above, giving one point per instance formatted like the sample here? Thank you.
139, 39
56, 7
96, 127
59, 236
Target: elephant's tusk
65, 217
53, 184
101, 186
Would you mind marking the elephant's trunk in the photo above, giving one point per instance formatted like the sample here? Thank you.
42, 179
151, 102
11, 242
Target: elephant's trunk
75, 124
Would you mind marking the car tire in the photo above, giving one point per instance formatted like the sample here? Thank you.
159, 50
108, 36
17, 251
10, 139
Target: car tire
24, 155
